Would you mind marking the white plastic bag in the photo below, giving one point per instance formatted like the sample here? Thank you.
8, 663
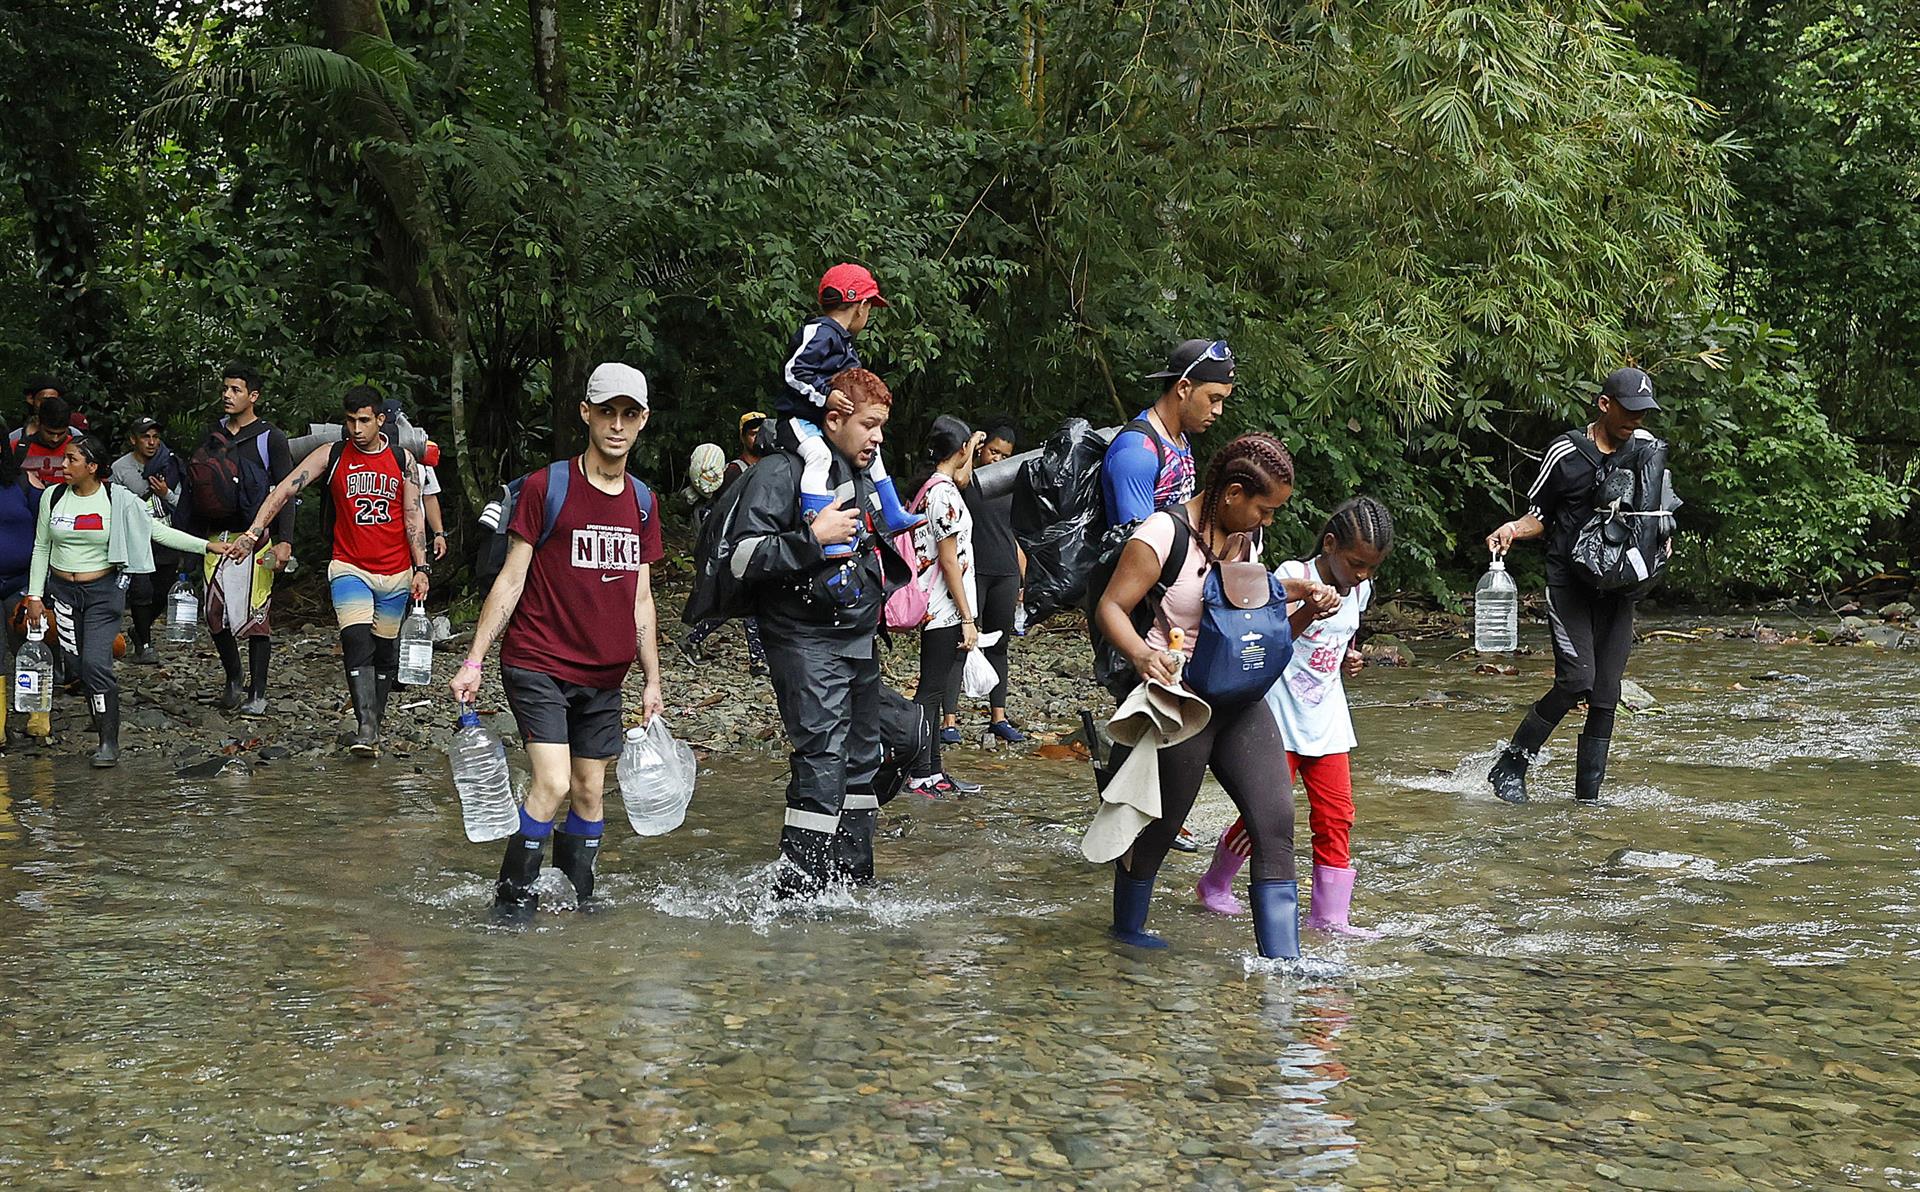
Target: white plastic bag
656, 779
977, 677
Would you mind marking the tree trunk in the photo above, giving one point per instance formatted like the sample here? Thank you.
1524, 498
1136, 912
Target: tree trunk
419, 262
568, 368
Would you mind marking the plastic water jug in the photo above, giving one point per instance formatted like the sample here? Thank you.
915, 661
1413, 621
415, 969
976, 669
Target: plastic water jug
183, 612
1496, 612
416, 649
481, 776
33, 673
656, 779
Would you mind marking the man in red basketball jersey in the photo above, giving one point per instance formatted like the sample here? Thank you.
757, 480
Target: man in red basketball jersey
377, 533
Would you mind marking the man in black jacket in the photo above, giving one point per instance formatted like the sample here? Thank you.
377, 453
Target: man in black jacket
227, 479
1592, 630
818, 617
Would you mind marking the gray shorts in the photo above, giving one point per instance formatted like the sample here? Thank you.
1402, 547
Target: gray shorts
551, 711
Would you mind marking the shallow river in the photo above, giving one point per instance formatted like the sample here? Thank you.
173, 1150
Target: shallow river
286, 981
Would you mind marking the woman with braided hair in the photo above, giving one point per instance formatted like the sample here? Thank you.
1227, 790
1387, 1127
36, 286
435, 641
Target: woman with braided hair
1310, 704
1246, 482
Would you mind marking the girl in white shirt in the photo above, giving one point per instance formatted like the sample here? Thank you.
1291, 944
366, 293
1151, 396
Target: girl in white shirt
1310, 704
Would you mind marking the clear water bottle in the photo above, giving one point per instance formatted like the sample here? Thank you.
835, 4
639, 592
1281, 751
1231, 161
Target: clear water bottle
656, 779
183, 612
416, 649
480, 775
33, 673
1020, 619
1496, 611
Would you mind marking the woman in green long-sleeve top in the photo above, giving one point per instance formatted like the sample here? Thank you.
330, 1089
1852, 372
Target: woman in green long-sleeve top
91, 536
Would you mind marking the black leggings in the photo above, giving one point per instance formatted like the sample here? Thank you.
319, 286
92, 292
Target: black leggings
940, 660
1592, 636
145, 595
998, 594
1250, 760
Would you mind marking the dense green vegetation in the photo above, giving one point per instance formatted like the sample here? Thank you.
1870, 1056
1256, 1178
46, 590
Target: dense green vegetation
1426, 229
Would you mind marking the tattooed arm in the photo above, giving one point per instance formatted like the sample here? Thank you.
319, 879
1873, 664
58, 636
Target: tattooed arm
309, 470
647, 638
414, 514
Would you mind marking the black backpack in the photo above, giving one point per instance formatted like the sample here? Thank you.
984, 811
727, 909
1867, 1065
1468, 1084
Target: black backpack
220, 477
400, 457
1112, 669
716, 593
1622, 546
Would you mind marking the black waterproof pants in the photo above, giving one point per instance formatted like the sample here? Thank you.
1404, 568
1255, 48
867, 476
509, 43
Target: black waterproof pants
1592, 636
830, 705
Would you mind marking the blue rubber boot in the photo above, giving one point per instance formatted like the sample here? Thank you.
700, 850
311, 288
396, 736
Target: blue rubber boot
1130, 899
811, 506
1276, 919
898, 520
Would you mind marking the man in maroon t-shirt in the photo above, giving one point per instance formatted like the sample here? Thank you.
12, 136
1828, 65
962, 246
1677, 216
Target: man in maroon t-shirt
576, 600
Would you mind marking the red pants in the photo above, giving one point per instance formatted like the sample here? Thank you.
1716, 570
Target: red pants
1329, 784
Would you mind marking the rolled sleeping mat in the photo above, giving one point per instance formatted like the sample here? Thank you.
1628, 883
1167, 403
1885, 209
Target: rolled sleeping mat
320, 434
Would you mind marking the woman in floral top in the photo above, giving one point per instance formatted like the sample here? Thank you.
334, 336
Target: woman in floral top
945, 546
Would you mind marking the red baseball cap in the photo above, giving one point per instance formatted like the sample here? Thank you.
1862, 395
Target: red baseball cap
849, 283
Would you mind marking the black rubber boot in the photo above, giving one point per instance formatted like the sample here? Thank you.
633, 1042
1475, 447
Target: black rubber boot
1509, 774
853, 848
574, 856
106, 717
1590, 768
806, 863
514, 900
366, 735
382, 689
228, 647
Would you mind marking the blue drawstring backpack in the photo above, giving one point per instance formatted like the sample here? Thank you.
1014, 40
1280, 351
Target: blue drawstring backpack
1245, 640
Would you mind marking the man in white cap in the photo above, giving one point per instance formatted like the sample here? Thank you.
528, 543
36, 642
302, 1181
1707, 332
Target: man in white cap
575, 598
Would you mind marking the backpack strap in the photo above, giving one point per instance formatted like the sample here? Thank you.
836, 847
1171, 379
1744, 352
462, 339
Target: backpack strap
59, 491
1145, 426
1176, 550
559, 475
1586, 447
919, 502
642, 496
334, 455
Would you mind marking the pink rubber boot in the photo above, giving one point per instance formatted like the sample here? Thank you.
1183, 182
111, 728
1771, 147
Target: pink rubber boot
1216, 888
1332, 899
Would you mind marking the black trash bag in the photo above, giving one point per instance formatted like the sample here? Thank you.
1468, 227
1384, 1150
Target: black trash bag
1059, 518
1623, 546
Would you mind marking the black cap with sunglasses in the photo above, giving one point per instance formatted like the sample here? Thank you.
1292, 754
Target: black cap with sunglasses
1202, 361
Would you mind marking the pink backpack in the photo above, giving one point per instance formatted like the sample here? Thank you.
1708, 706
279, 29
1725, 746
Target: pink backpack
907, 608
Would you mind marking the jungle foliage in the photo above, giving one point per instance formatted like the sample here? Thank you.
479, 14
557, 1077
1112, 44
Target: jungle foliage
1427, 229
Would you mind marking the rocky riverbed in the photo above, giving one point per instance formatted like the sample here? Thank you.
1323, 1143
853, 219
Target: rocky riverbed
170, 709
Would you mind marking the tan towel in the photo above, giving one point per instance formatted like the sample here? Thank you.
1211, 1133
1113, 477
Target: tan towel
1154, 715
